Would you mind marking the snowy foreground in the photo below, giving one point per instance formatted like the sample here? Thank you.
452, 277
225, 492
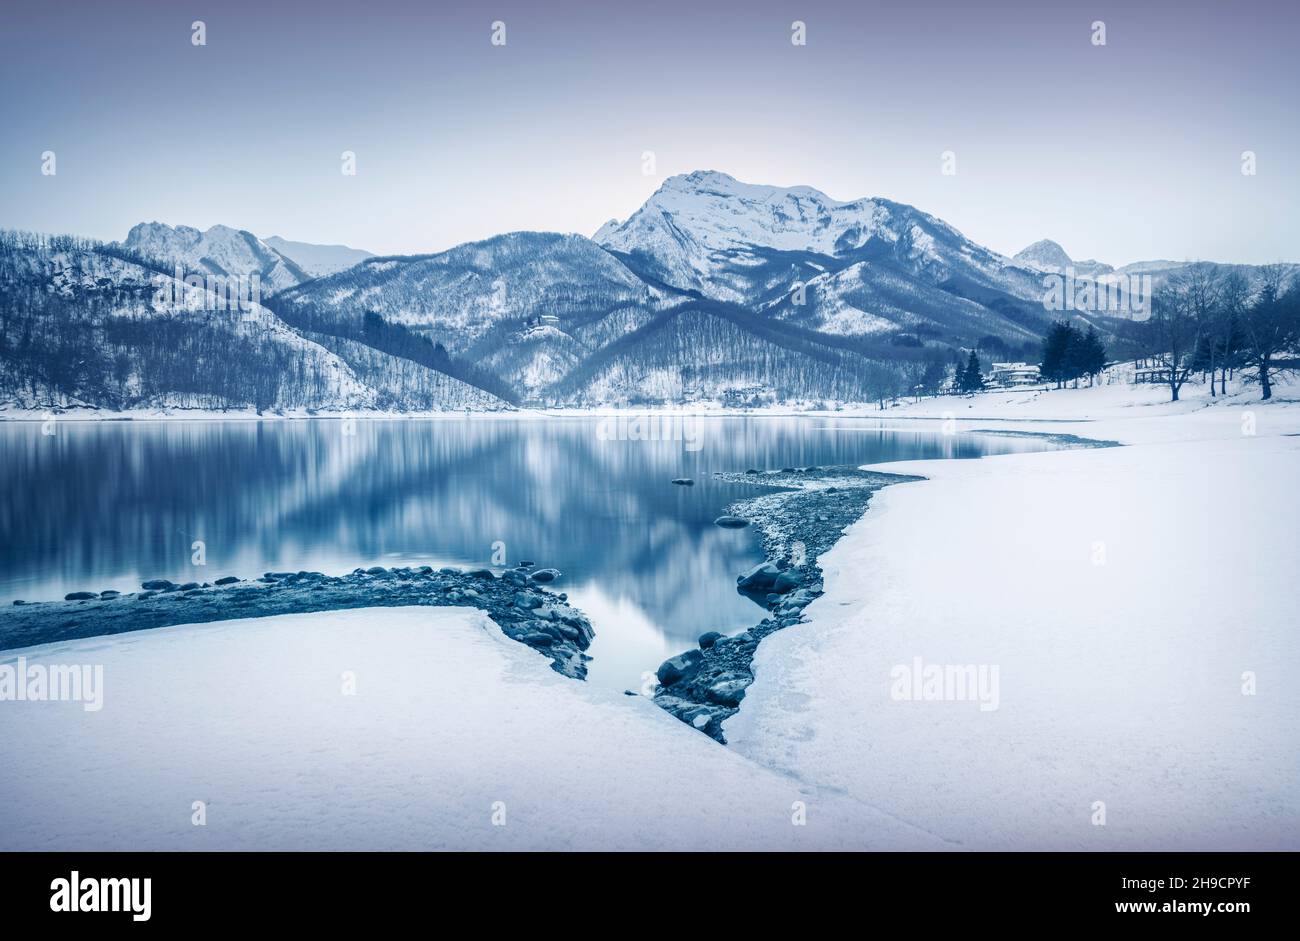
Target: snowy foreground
1124, 595
448, 719
1126, 600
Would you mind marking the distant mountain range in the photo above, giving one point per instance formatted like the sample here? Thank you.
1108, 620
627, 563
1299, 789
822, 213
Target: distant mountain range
222, 250
712, 285
318, 260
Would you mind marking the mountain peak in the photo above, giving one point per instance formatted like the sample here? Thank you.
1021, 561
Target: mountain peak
220, 250
713, 211
701, 178
605, 231
717, 183
1046, 255
705, 229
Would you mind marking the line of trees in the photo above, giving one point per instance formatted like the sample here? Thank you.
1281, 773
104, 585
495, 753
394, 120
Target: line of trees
1070, 354
390, 337
399, 340
17, 242
98, 339
1209, 319
88, 346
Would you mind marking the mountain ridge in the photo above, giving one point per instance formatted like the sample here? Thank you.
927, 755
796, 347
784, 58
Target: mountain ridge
810, 297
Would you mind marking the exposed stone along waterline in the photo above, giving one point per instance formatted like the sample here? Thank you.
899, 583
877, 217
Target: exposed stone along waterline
801, 518
515, 600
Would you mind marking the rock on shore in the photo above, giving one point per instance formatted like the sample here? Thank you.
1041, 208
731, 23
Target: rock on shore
799, 521
525, 611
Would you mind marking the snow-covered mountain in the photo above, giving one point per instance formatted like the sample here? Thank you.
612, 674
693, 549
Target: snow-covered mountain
799, 275
1046, 255
98, 325
869, 266
318, 260
709, 232
220, 250
527, 305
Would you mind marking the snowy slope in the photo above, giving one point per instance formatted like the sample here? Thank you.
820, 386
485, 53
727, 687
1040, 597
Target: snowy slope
486, 300
400, 385
318, 260
700, 349
873, 298
700, 230
449, 719
461, 293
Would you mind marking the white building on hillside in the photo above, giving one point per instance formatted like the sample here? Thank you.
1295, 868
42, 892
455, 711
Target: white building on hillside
1012, 375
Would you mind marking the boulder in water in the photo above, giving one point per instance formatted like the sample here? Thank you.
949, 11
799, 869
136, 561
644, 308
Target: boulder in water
760, 578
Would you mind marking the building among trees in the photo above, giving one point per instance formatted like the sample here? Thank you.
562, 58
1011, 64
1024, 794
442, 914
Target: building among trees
1013, 375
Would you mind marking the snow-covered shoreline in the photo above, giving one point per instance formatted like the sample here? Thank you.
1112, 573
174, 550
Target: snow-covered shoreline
392, 729
518, 600
1137, 604
237, 415
1037, 406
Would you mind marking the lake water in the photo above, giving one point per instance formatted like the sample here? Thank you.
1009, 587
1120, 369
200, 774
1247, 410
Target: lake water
107, 504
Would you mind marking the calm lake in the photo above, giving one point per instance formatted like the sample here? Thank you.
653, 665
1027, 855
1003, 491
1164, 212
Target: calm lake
104, 505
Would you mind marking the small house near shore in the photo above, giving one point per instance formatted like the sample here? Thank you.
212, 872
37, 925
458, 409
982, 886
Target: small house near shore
745, 396
1012, 375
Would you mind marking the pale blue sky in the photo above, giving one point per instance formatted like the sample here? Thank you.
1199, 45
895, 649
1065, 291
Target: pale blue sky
1123, 152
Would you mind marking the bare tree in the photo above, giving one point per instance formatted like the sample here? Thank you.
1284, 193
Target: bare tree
1270, 327
1203, 284
1233, 299
1171, 331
